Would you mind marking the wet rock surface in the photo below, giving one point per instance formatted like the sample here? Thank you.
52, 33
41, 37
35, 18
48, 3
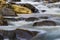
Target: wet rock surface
31, 19
43, 10
44, 17
45, 23
8, 12
14, 19
17, 34
3, 22
34, 10
8, 34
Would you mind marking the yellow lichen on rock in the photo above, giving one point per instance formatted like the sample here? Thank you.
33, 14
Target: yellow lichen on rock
21, 9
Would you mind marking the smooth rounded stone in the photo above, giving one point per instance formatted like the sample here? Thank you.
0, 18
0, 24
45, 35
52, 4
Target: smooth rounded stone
31, 19
24, 34
34, 10
45, 23
8, 12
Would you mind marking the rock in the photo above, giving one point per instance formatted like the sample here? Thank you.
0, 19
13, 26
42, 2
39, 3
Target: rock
22, 34
1, 37
3, 22
45, 23
15, 0
44, 17
31, 19
8, 12
8, 34
43, 10
34, 10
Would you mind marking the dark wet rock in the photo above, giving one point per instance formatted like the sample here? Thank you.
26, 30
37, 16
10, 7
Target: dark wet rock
17, 34
21, 18
34, 10
44, 17
37, 0
8, 34
34, 33
15, 0
1, 37
24, 34
10, 19
52, 1
3, 22
45, 23
43, 10
31, 19
14, 19
8, 12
